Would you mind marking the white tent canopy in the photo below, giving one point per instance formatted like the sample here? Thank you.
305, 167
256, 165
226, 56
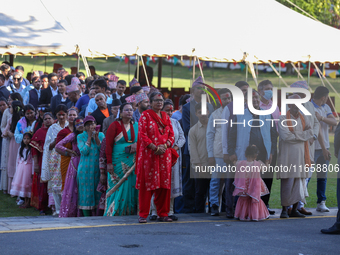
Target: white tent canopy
27, 28
217, 30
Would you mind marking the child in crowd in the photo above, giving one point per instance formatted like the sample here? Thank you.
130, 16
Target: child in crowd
22, 181
250, 187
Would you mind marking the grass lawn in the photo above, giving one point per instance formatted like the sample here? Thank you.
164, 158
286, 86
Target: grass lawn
182, 78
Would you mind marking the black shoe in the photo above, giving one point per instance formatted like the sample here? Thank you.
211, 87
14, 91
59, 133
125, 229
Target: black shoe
173, 217
214, 210
153, 217
334, 230
271, 212
230, 214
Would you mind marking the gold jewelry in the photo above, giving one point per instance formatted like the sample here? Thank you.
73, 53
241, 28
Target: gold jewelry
165, 146
157, 150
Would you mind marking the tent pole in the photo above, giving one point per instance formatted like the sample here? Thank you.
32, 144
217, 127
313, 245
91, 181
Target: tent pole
277, 73
246, 72
199, 65
45, 63
129, 69
78, 63
146, 75
308, 73
321, 78
298, 68
172, 72
193, 70
300, 75
252, 70
137, 67
212, 69
160, 65
280, 74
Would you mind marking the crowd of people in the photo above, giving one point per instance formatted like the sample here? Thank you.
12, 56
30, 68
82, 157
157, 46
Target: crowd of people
81, 147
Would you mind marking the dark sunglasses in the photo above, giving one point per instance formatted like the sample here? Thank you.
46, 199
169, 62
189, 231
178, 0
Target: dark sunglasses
17, 79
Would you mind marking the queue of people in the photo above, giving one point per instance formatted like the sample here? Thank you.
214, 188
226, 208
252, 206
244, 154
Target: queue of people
85, 148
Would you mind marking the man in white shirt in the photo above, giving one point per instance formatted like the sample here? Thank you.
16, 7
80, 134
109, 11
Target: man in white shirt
322, 155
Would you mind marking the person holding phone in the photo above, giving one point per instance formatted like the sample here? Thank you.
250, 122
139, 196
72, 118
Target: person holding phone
89, 143
121, 144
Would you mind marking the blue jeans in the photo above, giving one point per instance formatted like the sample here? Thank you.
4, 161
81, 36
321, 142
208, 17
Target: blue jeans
321, 177
215, 184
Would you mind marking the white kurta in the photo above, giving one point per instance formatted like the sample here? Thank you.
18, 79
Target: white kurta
176, 175
292, 156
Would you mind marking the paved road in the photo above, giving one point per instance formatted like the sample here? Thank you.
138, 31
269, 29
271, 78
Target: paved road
192, 234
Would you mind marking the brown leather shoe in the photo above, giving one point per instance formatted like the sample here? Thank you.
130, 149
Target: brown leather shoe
303, 211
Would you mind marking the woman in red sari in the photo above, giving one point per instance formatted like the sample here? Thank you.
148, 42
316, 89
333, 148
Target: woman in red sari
154, 159
39, 196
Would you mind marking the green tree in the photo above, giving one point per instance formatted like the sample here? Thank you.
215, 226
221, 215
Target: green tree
326, 11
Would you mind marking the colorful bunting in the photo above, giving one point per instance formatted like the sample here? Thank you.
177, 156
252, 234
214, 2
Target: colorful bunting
242, 66
311, 71
147, 61
126, 60
235, 63
153, 59
182, 63
175, 60
283, 64
333, 75
304, 65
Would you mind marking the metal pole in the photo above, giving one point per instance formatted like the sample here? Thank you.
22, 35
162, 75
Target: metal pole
45, 64
246, 72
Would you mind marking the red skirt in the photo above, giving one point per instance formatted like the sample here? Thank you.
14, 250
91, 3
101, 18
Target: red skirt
39, 196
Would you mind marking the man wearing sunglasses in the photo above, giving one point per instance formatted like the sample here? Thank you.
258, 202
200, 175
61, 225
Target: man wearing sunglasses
15, 85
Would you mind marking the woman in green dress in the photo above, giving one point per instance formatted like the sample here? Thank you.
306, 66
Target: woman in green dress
121, 143
88, 169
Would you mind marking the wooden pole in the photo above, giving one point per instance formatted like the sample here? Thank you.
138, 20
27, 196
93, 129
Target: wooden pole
280, 74
277, 73
199, 66
193, 70
137, 68
212, 68
172, 72
321, 78
146, 75
78, 63
246, 72
308, 73
129, 69
160, 64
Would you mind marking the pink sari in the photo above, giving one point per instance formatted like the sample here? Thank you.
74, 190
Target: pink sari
249, 186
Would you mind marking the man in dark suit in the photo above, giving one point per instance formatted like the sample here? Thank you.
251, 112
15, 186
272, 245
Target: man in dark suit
50, 91
189, 119
102, 111
59, 98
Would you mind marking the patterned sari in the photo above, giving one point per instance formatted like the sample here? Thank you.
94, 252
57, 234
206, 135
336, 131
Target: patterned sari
124, 200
